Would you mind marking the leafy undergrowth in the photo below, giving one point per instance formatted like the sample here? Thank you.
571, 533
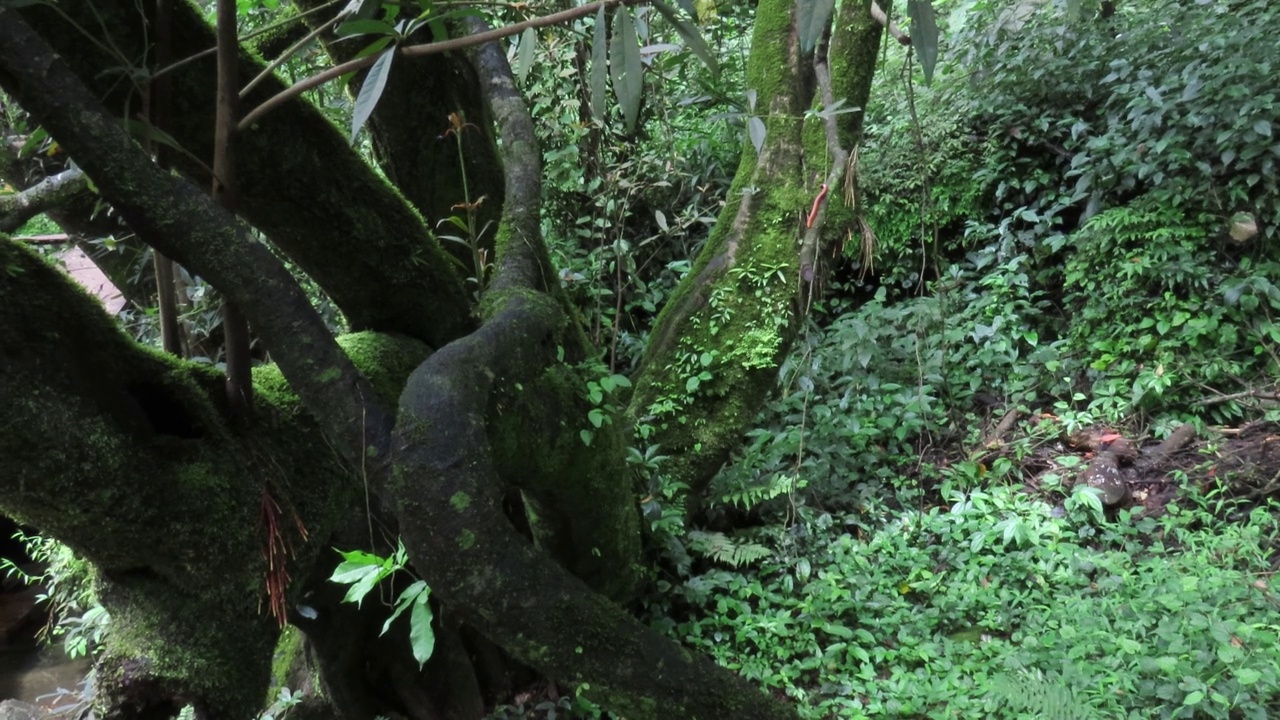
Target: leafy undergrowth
997, 604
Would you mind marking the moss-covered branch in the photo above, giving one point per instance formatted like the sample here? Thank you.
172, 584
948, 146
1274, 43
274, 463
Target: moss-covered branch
448, 487
449, 498
411, 140
732, 317
49, 193
716, 347
172, 216
123, 454
301, 184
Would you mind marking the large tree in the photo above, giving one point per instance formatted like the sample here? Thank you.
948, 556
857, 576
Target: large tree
450, 422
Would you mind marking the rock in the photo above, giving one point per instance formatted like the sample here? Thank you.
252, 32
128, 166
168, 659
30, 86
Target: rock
15, 710
1103, 473
20, 613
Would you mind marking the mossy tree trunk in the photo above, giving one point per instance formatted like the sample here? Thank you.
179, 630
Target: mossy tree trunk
131, 458
714, 353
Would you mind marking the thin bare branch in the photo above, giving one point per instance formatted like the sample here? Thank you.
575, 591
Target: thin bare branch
879, 14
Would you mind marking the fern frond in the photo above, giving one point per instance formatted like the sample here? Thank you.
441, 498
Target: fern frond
1034, 695
722, 548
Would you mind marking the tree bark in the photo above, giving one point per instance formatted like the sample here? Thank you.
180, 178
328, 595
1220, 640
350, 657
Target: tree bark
715, 350
306, 189
410, 132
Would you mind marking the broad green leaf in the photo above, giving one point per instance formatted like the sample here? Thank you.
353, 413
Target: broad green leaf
439, 31
812, 17
370, 577
626, 68
352, 28
360, 557
525, 61
599, 67
405, 600
372, 48
1247, 676
689, 33
362, 9
924, 35
421, 636
839, 631
374, 83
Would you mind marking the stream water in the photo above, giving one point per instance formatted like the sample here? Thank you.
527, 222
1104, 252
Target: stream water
29, 671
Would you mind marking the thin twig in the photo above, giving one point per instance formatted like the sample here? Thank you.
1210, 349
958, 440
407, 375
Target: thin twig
1255, 394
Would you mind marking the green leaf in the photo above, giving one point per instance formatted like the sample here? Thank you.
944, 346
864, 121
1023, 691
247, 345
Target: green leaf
1193, 698
839, 631
692, 384
421, 636
374, 83
812, 17
924, 35
406, 599
368, 578
596, 416
525, 61
626, 68
353, 28
363, 9
1247, 676
689, 33
599, 67
354, 559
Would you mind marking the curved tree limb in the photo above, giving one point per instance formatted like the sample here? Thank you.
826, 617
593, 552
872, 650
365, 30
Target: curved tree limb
443, 174
306, 189
48, 194
448, 498
447, 489
737, 305
125, 456
172, 216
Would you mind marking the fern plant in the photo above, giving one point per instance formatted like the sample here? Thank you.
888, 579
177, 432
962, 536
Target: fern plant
722, 548
1034, 695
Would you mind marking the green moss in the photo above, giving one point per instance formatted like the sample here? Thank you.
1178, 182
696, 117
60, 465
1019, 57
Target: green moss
466, 540
329, 375
460, 500
576, 496
289, 651
386, 360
